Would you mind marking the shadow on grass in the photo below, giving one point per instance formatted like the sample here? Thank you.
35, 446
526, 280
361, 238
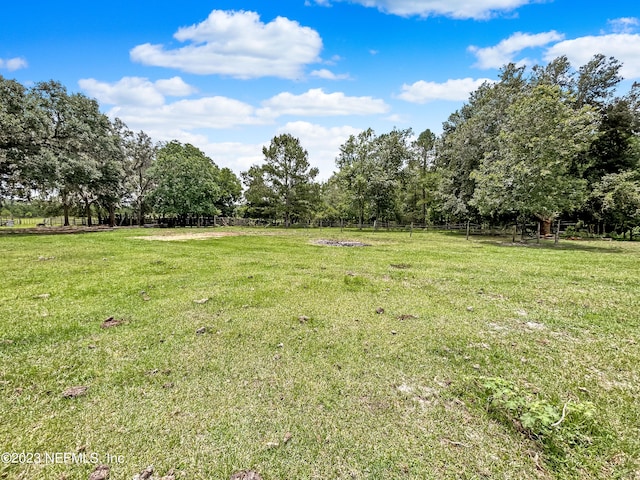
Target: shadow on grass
29, 232
596, 246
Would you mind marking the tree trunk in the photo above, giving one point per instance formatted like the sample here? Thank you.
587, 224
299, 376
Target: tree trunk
141, 213
424, 206
65, 209
112, 216
545, 226
87, 211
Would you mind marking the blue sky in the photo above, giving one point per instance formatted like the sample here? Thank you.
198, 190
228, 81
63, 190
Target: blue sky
227, 76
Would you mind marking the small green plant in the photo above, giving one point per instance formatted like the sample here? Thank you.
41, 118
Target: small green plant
555, 428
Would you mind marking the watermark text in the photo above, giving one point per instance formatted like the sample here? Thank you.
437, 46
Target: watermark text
60, 458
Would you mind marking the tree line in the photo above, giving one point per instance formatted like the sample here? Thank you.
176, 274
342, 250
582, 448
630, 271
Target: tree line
534, 145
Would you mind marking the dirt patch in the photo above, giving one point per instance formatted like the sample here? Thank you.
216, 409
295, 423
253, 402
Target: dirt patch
181, 237
110, 322
73, 392
341, 243
246, 475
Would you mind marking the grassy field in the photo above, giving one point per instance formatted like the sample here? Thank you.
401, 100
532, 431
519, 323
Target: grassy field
414, 357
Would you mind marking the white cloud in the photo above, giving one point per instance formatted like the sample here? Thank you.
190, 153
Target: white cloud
13, 64
135, 90
463, 9
623, 46
505, 51
322, 143
452, 90
202, 113
396, 118
234, 155
316, 102
238, 44
142, 105
175, 87
329, 75
624, 25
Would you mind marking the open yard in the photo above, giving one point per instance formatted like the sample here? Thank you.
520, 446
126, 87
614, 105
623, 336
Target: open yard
266, 351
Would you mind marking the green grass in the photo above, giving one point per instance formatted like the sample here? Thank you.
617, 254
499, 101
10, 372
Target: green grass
363, 394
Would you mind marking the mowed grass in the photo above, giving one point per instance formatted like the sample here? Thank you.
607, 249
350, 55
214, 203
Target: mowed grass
299, 373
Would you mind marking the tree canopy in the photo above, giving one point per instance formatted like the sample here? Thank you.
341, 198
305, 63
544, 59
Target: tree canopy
541, 142
186, 181
284, 185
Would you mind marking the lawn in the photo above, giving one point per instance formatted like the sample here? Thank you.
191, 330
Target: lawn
423, 356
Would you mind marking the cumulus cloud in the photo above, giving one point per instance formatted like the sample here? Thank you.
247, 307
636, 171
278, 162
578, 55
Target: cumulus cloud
136, 90
13, 64
237, 44
175, 87
462, 9
506, 51
142, 104
452, 90
234, 155
623, 46
316, 102
207, 112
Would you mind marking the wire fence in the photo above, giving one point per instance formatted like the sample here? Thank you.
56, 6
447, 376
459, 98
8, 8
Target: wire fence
30, 222
531, 229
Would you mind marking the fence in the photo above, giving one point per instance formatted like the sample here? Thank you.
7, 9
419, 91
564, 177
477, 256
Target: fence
40, 221
216, 221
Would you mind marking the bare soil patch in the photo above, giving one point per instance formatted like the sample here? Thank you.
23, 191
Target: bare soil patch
181, 237
110, 322
73, 392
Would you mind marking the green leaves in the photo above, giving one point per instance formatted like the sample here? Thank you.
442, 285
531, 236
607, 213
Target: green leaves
187, 181
556, 428
284, 186
530, 171
372, 170
617, 198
